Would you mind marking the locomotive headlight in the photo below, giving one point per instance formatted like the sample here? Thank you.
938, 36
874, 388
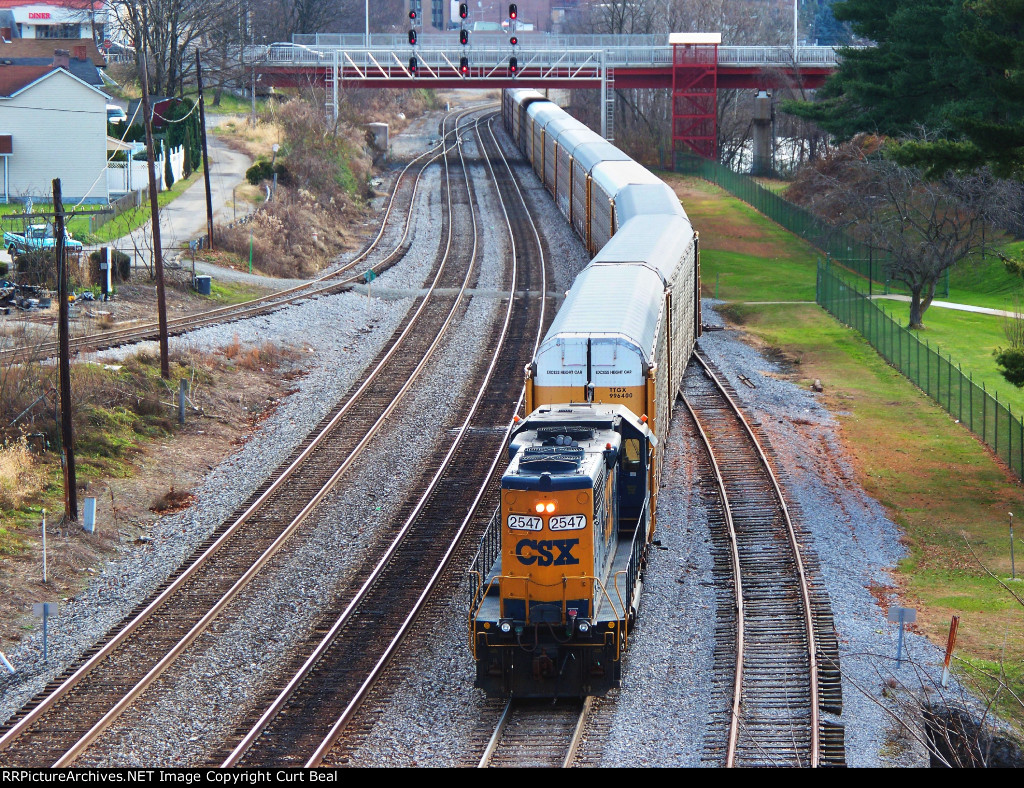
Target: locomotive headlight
583, 626
505, 626
540, 507
549, 508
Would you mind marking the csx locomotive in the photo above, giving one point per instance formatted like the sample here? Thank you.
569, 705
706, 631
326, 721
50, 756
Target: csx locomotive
556, 583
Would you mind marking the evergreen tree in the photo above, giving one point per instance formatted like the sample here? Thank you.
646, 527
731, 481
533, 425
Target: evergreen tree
950, 67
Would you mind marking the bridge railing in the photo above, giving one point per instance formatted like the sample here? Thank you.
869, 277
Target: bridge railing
531, 38
487, 46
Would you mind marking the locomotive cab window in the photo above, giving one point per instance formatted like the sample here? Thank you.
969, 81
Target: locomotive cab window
632, 458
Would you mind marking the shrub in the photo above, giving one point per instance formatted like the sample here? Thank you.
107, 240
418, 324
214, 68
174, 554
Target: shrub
1011, 361
263, 171
122, 266
38, 267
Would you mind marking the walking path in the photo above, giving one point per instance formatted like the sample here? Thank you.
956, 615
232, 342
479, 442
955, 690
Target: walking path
982, 310
185, 217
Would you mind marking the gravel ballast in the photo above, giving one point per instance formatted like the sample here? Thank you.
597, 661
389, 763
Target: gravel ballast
660, 714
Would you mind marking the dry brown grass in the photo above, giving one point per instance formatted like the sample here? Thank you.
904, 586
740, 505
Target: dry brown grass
19, 479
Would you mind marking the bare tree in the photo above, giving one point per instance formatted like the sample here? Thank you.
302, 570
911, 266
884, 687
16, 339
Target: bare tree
922, 228
167, 31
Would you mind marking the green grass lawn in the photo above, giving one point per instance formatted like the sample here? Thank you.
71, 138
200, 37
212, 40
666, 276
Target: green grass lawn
938, 482
115, 228
78, 226
968, 339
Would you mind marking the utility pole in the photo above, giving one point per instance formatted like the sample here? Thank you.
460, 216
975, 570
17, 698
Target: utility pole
67, 437
158, 255
206, 158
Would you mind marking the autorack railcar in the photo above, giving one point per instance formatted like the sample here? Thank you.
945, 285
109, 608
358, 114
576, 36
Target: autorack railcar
556, 584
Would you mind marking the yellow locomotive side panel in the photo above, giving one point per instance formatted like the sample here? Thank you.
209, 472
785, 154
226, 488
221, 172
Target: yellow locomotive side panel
546, 556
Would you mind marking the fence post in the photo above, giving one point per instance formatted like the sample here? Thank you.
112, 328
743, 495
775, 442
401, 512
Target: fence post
960, 406
970, 400
984, 412
996, 425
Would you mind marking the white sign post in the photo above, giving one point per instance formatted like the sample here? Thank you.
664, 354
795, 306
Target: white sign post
903, 616
44, 610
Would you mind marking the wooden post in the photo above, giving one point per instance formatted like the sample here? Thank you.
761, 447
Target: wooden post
954, 625
154, 202
206, 158
67, 438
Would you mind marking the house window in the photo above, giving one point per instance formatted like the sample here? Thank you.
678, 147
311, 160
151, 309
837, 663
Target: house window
59, 31
437, 13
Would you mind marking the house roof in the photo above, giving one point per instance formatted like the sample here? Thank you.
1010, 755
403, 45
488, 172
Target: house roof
14, 79
83, 69
44, 47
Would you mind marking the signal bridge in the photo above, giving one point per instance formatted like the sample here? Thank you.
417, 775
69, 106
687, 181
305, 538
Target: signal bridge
694, 66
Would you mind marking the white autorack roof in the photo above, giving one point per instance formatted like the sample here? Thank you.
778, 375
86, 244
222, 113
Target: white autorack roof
622, 302
662, 242
613, 175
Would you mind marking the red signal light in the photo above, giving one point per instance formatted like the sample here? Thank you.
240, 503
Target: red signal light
412, 15
413, 65
463, 10
513, 11
464, 65
412, 37
463, 37
514, 40
513, 65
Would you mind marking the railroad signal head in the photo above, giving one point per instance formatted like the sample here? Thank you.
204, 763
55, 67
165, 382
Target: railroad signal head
463, 37
412, 15
514, 40
414, 65
464, 65
412, 37
513, 66
513, 11
463, 10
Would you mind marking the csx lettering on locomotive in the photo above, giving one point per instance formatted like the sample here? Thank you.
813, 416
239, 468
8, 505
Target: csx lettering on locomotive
532, 551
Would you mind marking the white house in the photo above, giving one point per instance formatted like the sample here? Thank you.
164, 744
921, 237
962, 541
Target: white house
52, 125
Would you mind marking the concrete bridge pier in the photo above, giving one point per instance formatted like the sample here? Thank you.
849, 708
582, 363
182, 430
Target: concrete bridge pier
764, 134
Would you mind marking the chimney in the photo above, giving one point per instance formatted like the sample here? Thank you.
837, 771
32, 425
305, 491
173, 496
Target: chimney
62, 58
80, 53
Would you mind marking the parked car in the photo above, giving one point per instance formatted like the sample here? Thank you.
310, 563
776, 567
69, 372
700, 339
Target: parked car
116, 114
37, 236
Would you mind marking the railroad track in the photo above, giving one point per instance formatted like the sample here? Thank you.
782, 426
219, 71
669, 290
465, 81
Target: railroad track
537, 734
776, 655
380, 254
312, 719
61, 723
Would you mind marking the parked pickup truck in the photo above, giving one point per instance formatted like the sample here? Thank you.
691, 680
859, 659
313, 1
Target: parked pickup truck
38, 236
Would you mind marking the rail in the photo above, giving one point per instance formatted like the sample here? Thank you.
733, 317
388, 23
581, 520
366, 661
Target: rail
805, 587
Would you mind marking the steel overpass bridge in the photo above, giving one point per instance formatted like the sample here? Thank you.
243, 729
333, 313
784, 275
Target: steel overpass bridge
694, 66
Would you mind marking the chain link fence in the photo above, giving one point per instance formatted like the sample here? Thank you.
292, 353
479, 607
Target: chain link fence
937, 375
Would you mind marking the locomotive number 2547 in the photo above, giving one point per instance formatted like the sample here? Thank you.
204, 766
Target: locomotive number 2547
524, 522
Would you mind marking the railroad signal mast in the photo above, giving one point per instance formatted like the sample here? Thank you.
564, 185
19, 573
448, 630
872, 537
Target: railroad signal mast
463, 39
413, 20
513, 62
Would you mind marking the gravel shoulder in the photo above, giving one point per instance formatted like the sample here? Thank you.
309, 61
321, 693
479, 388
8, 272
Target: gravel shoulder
659, 715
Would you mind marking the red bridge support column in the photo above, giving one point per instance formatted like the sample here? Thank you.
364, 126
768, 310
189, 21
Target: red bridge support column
695, 93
